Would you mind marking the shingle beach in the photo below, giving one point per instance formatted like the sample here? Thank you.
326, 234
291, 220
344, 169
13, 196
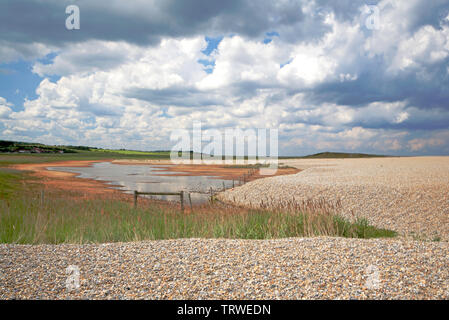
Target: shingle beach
409, 195
313, 268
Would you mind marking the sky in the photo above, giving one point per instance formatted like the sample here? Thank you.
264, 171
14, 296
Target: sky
349, 76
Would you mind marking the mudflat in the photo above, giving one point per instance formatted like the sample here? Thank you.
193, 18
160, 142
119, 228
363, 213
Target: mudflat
67, 181
221, 171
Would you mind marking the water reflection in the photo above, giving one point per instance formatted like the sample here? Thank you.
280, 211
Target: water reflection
149, 178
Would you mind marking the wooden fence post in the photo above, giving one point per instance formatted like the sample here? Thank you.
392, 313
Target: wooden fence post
135, 199
182, 201
190, 200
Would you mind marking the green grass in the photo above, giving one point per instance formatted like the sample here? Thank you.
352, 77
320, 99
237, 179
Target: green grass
10, 159
90, 153
64, 218
16, 146
9, 181
29, 220
72, 153
132, 152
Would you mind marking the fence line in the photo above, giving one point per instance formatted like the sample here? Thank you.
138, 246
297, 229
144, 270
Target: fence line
181, 193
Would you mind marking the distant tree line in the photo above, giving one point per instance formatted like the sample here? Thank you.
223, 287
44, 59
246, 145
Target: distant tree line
14, 146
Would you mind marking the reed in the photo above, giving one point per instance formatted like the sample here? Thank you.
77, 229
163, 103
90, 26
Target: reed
65, 218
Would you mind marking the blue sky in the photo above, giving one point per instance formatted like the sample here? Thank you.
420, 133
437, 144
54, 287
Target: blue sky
18, 81
328, 75
212, 44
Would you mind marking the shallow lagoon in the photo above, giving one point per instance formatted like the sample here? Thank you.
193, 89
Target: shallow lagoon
149, 178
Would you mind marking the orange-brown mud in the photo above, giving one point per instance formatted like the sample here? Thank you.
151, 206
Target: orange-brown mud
222, 172
67, 181
89, 188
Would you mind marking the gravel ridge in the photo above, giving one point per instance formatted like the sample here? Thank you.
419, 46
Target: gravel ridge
408, 195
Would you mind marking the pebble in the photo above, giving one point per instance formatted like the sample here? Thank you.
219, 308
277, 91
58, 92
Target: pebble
294, 268
409, 195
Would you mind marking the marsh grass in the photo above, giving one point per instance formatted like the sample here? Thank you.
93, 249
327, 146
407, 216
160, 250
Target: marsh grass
10, 181
62, 218
15, 158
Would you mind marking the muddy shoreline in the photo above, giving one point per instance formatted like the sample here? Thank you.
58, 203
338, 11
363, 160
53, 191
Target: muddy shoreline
68, 181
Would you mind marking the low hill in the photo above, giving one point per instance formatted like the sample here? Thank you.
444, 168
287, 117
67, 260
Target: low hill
338, 155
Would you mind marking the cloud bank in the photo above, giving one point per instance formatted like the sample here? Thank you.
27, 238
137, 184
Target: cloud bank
137, 70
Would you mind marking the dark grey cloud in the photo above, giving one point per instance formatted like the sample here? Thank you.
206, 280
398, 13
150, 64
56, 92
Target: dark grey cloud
433, 119
428, 13
144, 23
374, 84
192, 97
423, 13
344, 10
174, 96
88, 58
